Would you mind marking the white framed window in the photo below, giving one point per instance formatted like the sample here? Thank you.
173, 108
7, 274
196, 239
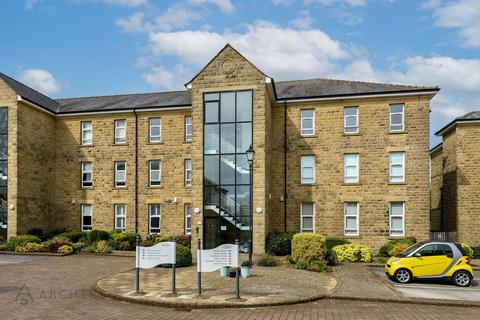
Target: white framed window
86, 132
307, 122
188, 172
307, 217
397, 118
86, 217
397, 218
307, 169
120, 174
155, 173
397, 166
188, 218
120, 217
120, 131
351, 212
154, 218
188, 128
87, 174
155, 129
350, 120
351, 168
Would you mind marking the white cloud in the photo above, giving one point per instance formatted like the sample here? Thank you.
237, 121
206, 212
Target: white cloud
134, 23
30, 4
353, 3
125, 3
226, 6
41, 80
170, 79
176, 17
303, 20
284, 3
281, 52
463, 15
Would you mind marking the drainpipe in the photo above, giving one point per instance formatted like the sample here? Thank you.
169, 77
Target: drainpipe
136, 170
285, 197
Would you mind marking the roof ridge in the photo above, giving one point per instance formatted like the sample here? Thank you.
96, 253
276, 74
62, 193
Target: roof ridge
358, 81
23, 84
123, 94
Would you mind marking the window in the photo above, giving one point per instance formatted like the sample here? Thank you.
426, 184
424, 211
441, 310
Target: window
307, 122
351, 218
155, 130
188, 218
86, 174
188, 128
120, 131
188, 172
86, 217
308, 169
120, 217
396, 117
397, 166
154, 217
120, 174
86, 132
350, 119
307, 213
350, 168
397, 217
155, 172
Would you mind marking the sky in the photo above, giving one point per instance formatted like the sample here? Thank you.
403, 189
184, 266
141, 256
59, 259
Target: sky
71, 48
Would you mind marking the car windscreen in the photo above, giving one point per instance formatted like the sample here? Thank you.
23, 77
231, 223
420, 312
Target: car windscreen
409, 250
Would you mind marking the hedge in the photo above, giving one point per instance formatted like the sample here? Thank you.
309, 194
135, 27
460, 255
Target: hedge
279, 243
353, 253
308, 251
387, 247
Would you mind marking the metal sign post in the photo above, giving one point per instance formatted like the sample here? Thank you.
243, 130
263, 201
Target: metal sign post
137, 247
199, 268
237, 274
174, 290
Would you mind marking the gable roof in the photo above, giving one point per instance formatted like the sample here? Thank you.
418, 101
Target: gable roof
125, 102
467, 117
322, 88
30, 94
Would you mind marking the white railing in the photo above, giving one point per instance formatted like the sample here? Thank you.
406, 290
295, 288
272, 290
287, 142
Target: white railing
449, 236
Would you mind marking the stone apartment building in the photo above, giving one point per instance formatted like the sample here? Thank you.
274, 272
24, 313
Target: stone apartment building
340, 158
455, 183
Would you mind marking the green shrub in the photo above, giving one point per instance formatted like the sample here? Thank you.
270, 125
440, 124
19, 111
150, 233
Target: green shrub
4, 247
184, 257
476, 252
331, 258
56, 242
308, 251
30, 247
124, 240
22, 239
353, 253
266, 261
184, 240
107, 250
101, 245
78, 246
74, 236
89, 249
65, 249
52, 233
387, 247
398, 248
97, 235
331, 242
279, 243
467, 249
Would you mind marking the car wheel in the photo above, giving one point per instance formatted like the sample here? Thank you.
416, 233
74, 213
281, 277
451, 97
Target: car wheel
403, 275
462, 278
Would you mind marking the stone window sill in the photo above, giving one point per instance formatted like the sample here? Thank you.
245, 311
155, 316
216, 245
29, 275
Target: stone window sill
119, 144
397, 183
87, 188
120, 188
352, 134
155, 187
398, 132
153, 143
187, 141
86, 145
309, 136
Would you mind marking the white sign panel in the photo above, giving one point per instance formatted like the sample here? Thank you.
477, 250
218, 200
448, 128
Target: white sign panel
161, 253
225, 255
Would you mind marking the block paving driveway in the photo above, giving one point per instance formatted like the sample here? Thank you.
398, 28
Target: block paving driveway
60, 288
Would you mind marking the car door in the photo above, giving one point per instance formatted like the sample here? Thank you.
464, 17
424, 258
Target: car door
433, 260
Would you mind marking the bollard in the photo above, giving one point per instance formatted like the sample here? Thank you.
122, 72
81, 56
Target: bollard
237, 273
174, 291
137, 283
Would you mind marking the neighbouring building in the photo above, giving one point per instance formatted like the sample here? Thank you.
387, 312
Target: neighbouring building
340, 158
455, 182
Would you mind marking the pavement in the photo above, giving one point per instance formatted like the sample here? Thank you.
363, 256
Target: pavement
266, 287
60, 288
442, 290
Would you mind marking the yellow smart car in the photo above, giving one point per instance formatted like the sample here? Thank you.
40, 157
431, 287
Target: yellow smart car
431, 260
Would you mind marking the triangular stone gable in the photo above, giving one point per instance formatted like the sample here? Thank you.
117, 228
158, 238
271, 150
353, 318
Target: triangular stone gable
228, 67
